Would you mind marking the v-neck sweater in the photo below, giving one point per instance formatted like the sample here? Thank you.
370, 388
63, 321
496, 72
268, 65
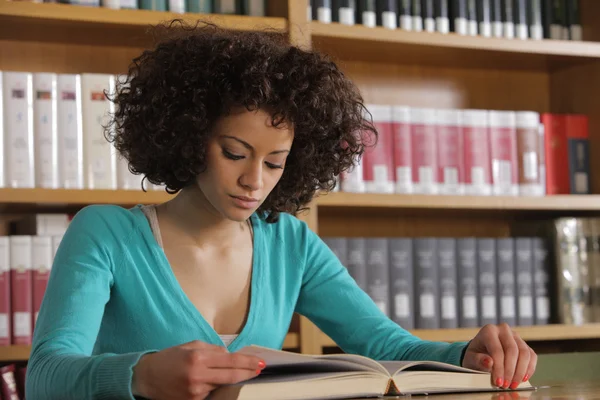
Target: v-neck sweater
112, 297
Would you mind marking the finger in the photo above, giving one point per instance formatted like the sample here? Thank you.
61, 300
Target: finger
494, 348
532, 365
233, 361
228, 376
199, 345
511, 353
522, 362
479, 362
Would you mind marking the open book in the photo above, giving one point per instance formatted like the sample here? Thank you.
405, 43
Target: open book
292, 376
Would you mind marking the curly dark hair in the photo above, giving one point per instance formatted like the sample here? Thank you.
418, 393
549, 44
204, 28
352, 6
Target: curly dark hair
173, 94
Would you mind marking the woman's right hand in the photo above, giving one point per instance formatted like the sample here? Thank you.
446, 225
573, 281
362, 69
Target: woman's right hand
190, 371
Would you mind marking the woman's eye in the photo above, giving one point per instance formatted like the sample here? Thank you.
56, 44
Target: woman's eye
231, 156
274, 166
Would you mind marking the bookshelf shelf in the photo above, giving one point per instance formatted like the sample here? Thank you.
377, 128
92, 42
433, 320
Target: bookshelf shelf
33, 198
37, 21
528, 333
451, 50
21, 353
443, 202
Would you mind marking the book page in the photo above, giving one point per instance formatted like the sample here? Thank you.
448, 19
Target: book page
288, 362
395, 367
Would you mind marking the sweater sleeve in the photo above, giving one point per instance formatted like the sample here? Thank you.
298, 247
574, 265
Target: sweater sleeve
61, 365
332, 300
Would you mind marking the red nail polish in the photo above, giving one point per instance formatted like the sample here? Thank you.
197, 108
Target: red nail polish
514, 385
525, 378
258, 372
499, 382
486, 362
261, 364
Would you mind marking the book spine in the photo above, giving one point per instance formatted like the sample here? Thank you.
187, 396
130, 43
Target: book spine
378, 159
387, 14
542, 270
405, 15
128, 4
177, 6
352, 180
417, 16
448, 286
402, 149
21, 301
528, 153
339, 247
426, 283
476, 144
542, 160
428, 13
18, 129
574, 20
70, 131
8, 384
496, 14
357, 261
345, 11
378, 272
99, 154
424, 151
155, 5
450, 152
594, 272
2, 135
536, 26
322, 11
556, 153
459, 21
41, 260
204, 7
45, 130
488, 293
547, 17
229, 6
524, 268
484, 17
503, 143
508, 19
466, 249
520, 16
577, 133
401, 282
367, 13
442, 19
507, 304
258, 8
472, 17
558, 28
5, 293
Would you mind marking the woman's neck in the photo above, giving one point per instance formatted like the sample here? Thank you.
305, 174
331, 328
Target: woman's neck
191, 214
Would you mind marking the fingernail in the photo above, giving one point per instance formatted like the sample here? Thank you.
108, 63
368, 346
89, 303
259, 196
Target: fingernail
261, 364
514, 385
499, 382
258, 372
526, 378
506, 384
486, 362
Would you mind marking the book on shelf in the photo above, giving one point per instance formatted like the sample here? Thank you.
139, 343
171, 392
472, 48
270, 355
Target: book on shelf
300, 376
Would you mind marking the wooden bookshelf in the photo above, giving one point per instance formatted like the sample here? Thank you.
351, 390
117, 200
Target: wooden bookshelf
21, 353
448, 50
449, 203
528, 333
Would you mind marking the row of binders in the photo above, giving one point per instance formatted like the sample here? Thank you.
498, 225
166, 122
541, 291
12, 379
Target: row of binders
472, 152
53, 133
522, 19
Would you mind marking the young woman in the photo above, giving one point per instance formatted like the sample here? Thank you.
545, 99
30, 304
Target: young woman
153, 301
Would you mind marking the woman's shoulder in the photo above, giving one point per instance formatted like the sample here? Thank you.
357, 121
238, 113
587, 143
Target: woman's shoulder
288, 228
104, 218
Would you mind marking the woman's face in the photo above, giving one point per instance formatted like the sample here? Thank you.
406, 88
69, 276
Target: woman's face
245, 160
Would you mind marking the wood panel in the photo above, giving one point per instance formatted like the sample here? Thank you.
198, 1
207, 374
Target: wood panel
449, 88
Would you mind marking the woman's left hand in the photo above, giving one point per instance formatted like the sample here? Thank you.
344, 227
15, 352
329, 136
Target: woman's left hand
499, 350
